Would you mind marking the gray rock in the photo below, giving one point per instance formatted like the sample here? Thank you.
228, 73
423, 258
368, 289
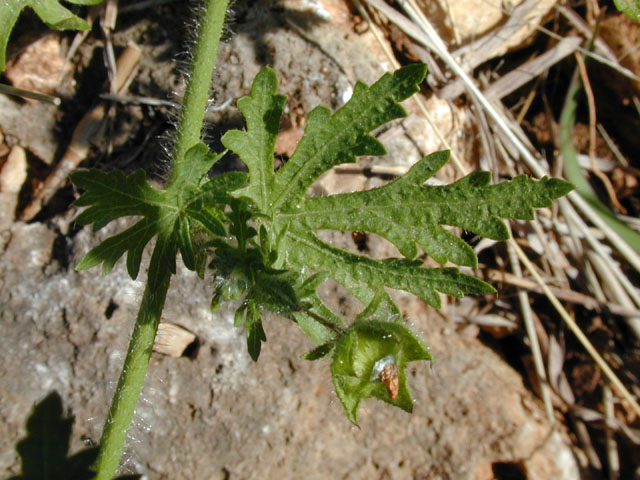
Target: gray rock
219, 415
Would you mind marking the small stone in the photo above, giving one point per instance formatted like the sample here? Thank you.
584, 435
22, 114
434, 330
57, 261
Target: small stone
12, 176
14, 171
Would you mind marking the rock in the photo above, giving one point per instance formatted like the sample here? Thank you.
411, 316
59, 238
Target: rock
32, 125
40, 66
221, 414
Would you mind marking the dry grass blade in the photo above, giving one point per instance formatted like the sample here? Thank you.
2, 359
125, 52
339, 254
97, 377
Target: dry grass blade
525, 73
21, 92
616, 290
587, 445
573, 218
609, 373
613, 460
107, 24
612, 146
593, 416
564, 294
525, 307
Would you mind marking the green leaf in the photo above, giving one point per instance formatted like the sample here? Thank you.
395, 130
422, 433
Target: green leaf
631, 8
255, 147
255, 332
50, 12
363, 276
370, 360
280, 265
319, 352
406, 212
175, 215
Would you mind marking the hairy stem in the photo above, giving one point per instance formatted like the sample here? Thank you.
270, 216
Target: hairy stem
141, 344
131, 380
196, 94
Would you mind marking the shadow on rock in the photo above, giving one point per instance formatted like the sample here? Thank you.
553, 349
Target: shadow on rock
43, 452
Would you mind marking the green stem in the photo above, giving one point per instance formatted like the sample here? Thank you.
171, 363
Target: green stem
141, 344
131, 380
196, 94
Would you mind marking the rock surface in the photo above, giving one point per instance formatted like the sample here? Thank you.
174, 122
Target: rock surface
219, 415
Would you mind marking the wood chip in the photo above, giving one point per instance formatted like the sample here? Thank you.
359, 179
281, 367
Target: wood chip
172, 339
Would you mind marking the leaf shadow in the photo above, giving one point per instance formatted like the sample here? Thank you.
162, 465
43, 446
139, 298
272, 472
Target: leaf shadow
44, 451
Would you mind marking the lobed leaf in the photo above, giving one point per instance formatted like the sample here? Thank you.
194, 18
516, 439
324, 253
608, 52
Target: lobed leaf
406, 212
369, 358
331, 140
174, 215
363, 276
262, 111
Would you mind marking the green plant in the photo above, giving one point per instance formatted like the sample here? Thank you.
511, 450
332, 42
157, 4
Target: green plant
256, 231
275, 261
